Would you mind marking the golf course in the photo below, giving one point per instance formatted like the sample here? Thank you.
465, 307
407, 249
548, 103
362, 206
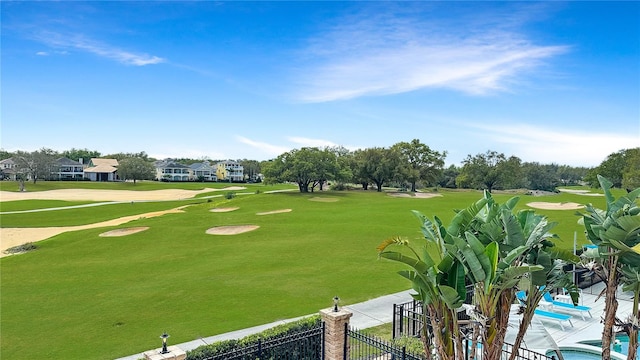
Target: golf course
125, 263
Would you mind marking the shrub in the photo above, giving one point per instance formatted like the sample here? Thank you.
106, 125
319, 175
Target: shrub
21, 248
229, 195
206, 351
339, 187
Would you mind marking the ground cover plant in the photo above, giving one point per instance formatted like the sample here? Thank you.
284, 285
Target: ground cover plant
84, 296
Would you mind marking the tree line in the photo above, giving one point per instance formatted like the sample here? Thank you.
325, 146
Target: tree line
407, 165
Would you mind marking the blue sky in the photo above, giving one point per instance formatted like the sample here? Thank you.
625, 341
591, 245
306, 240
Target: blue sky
544, 81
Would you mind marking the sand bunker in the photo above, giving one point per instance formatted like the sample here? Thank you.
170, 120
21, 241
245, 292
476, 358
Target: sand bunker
580, 192
274, 212
231, 229
227, 209
417, 195
124, 232
107, 195
17, 236
324, 199
555, 206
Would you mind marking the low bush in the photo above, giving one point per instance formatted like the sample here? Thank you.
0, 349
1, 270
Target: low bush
229, 195
21, 248
207, 351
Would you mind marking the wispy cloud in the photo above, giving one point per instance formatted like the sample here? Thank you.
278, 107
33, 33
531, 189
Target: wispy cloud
390, 53
307, 142
561, 146
82, 43
269, 149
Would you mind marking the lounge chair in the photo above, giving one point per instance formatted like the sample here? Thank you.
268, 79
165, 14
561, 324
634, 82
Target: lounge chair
567, 306
553, 316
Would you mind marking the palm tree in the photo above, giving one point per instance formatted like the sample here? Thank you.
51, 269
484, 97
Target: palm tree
616, 232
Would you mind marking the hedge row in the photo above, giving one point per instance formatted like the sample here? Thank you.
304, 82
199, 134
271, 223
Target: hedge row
208, 351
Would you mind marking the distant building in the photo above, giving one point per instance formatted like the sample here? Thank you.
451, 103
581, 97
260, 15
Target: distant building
230, 171
8, 169
101, 170
169, 170
203, 171
67, 169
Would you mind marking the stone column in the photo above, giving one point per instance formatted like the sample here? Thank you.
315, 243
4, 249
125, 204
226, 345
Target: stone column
174, 353
334, 333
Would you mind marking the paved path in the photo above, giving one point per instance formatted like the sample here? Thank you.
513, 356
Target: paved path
366, 314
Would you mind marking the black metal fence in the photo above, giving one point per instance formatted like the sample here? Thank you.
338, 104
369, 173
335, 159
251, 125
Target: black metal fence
407, 321
364, 347
523, 354
304, 345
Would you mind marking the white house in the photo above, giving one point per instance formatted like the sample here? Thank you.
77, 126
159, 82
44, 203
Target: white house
171, 171
203, 171
102, 170
67, 169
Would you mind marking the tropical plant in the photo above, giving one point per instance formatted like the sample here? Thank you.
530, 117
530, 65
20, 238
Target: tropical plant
490, 247
616, 232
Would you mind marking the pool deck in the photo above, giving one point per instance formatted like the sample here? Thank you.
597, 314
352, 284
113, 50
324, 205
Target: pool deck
590, 328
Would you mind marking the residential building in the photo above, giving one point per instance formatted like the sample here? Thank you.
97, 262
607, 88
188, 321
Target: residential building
101, 170
230, 171
8, 169
67, 169
168, 170
203, 171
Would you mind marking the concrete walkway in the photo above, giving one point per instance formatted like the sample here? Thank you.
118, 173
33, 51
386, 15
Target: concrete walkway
366, 314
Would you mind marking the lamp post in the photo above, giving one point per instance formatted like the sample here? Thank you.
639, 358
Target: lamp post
164, 337
336, 299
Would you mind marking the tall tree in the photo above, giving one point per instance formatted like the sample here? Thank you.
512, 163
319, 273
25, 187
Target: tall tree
36, 165
613, 167
448, 177
631, 172
135, 168
85, 154
418, 162
5, 154
299, 165
379, 165
119, 156
540, 177
251, 168
491, 170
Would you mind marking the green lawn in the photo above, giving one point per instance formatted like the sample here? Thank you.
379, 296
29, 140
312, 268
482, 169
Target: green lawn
84, 296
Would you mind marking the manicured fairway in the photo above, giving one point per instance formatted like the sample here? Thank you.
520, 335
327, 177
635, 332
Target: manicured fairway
85, 296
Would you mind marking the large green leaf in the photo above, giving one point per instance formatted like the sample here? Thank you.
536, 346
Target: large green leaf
471, 260
450, 297
464, 217
479, 250
416, 264
456, 279
514, 235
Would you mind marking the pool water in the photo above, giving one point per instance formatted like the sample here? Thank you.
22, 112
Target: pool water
578, 355
622, 347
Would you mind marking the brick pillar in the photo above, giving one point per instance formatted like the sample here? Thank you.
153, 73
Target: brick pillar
334, 333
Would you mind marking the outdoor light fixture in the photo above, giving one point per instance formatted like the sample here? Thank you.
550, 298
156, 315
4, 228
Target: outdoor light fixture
335, 303
164, 337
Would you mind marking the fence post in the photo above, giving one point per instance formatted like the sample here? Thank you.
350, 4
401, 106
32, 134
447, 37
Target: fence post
335, 340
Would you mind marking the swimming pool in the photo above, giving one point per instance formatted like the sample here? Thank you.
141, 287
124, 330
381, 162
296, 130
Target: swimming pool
584, 352
622, 346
